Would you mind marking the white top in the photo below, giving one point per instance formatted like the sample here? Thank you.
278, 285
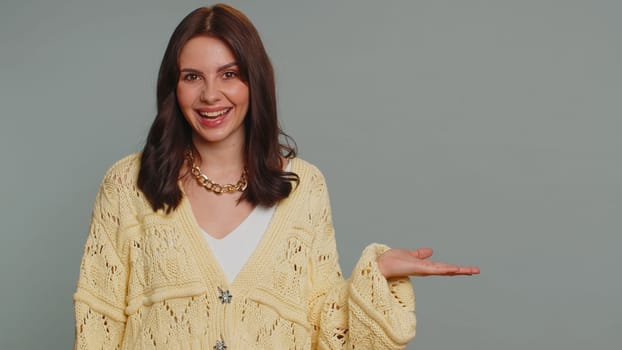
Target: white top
233, 250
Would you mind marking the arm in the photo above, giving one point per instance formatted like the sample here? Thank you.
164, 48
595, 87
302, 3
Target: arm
99, 300
367, 310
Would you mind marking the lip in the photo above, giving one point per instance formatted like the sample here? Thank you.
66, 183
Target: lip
212, 122
212, 109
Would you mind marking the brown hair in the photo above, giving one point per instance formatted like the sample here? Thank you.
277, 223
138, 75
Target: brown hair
171, 135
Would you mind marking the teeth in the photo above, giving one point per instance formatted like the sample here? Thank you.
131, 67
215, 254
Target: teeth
214, 114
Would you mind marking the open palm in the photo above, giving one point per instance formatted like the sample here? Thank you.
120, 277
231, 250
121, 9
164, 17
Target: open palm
405, 262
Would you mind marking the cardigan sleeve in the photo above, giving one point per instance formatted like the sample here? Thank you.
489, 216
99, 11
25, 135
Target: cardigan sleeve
99, 301
367, 311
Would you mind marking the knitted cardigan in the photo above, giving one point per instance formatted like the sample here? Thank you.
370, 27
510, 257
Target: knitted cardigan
148, 280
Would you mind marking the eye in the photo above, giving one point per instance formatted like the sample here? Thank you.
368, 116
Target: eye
190, 77
230, 74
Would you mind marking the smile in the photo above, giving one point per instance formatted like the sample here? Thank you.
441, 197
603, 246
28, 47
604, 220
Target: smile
214, 114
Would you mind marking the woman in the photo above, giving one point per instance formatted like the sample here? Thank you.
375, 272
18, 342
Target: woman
217, 237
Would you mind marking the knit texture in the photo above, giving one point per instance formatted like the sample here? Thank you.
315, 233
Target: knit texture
148, 280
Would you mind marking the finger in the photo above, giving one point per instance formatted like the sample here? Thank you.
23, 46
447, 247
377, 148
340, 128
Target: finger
459, 270
433, 268
421, 253
469, 270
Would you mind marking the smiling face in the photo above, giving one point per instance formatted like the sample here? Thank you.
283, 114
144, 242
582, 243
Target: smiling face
211, 94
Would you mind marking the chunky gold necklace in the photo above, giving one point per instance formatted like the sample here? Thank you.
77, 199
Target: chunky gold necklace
209, 184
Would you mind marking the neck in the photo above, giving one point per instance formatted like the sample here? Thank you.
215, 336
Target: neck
220, 160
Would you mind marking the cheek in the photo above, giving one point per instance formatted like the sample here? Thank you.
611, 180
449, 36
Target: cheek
184, 96
238, 94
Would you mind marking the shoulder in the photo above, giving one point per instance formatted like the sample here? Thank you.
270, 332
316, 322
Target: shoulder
119, 187
123, 174
124, 170
312, 180
306, 170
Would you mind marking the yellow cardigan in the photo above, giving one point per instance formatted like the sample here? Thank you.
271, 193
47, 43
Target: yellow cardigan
148, 280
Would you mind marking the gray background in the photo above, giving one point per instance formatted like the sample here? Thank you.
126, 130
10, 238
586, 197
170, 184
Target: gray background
488, 130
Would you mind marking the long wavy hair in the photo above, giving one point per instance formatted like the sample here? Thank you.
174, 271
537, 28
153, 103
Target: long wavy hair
170, 135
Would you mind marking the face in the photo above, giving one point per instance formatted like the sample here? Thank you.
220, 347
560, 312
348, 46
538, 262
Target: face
211, 94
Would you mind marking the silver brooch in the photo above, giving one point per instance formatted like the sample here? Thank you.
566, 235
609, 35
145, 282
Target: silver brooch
225, 297
220, 345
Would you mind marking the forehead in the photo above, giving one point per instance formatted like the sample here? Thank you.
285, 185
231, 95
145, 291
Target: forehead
205, 52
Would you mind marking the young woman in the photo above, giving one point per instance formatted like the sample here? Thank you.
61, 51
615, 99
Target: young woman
217, 236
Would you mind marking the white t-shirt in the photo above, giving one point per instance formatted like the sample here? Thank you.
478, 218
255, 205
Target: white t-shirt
233, 250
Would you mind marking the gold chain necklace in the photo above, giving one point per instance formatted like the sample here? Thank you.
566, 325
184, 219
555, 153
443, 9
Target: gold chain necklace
209, 184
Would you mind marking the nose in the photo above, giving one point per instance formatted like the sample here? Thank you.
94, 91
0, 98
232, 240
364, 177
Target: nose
211, 92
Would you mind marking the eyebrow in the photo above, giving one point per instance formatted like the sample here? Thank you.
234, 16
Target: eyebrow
223, 67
